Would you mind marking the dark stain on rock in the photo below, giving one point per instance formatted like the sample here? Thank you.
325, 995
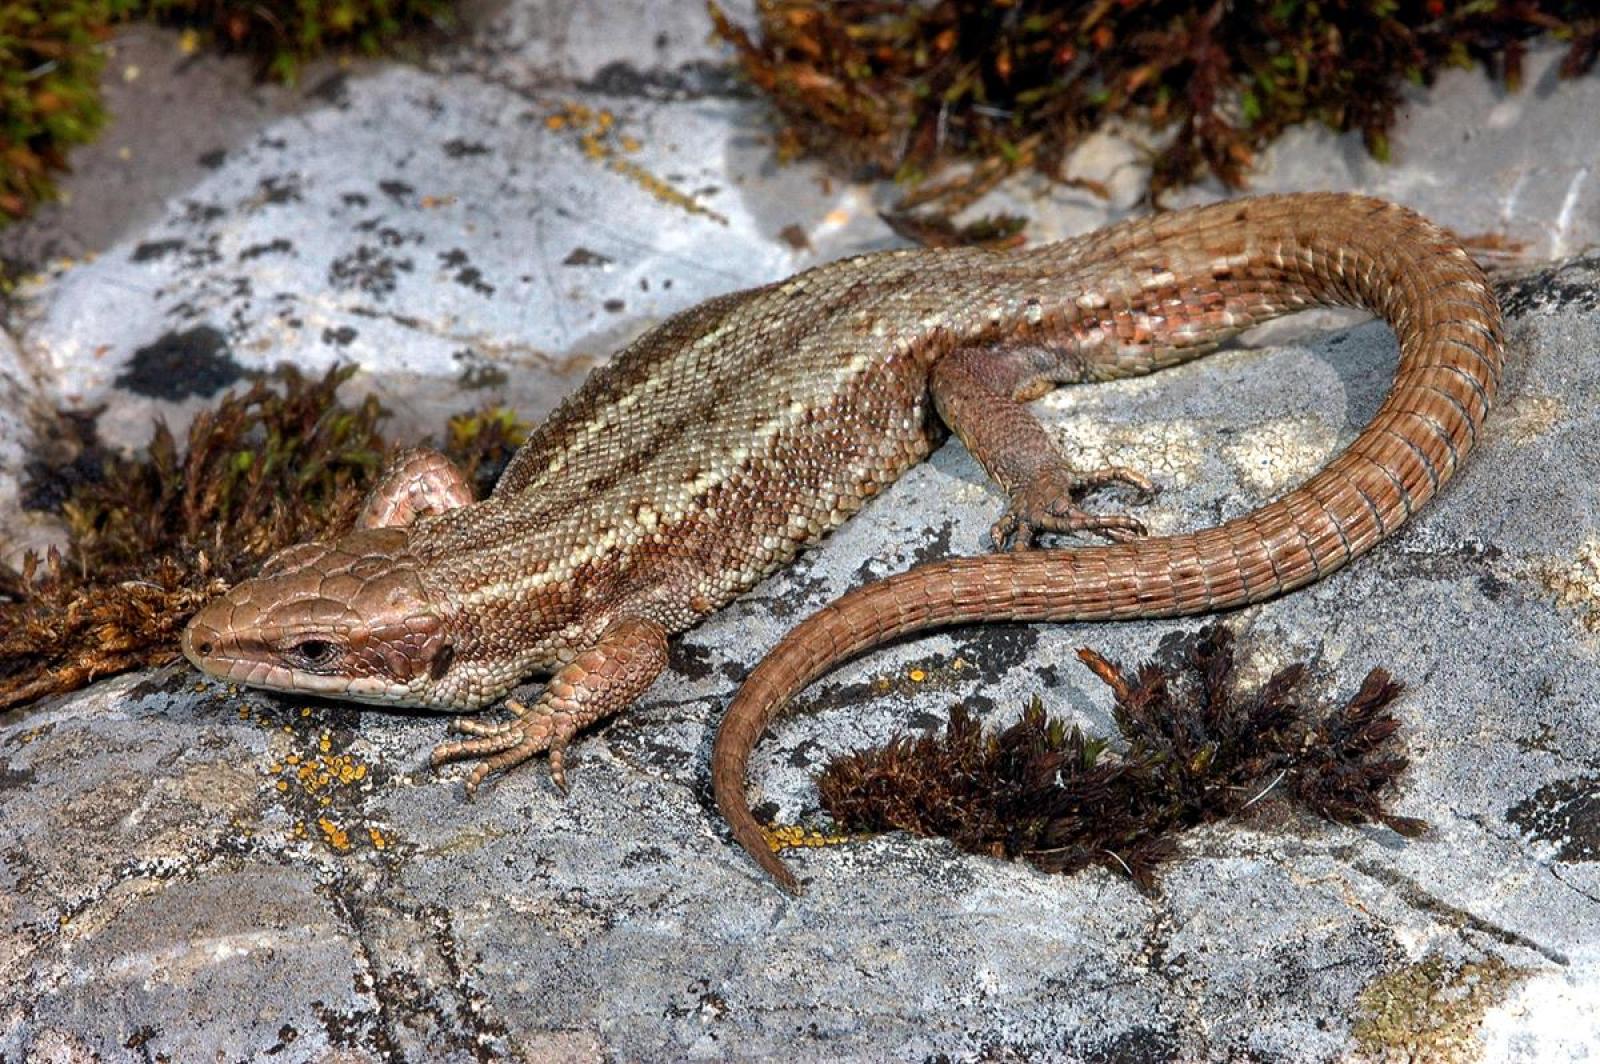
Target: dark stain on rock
460, 149
398, 191
795, 236
334, 89
151, 250
937, 548
1566, 814
367, 270
280, 246
212, 159
279, 190
286, 1038
354, 199
1568, 286
582, 256
1136, 1045
467, 276
343, 336
689, 659
201, 213
478, 372
182, 364
472, 278
615, 306
688, 82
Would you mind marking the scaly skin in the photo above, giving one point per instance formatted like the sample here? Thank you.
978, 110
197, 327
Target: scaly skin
714, 447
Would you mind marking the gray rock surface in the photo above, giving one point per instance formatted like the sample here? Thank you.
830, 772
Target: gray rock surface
188, 870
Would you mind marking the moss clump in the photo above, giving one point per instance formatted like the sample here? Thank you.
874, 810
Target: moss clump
50, 63
282, 35
903, 87
151, 538
1197, 750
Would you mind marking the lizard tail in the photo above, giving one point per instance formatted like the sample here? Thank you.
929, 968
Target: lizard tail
1338, 250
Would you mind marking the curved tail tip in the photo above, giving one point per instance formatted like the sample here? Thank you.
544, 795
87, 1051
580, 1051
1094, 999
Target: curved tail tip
784, 878
755, 844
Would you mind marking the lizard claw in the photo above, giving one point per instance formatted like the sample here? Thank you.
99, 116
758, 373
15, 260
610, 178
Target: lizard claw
464, 726
1046, 504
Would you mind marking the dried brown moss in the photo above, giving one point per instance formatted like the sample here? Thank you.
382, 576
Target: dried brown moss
901, 88
150, 538
1195, 750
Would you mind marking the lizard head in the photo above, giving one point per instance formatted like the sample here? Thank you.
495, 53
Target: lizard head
349, 618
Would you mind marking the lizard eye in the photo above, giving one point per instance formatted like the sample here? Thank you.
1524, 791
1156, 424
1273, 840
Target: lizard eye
314, 653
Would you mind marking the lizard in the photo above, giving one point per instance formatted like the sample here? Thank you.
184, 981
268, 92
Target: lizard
710, 450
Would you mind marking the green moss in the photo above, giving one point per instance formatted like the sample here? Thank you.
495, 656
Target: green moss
282, 35
51, 61
50, 64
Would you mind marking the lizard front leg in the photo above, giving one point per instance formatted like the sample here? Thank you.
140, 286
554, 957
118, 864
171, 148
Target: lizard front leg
602, 680
980, 393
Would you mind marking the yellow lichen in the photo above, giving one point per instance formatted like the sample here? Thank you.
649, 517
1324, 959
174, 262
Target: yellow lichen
601, 141
1426, 1011
1525, 418
782, 837
335, 836
1576, 584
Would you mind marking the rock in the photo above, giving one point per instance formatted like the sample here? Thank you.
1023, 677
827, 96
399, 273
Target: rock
189, 870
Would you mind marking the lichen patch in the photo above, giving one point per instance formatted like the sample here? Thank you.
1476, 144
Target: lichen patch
1428, 1011
1576, 583
1279, 454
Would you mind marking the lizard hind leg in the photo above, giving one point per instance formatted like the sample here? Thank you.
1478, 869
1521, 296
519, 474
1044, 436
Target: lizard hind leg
599, 682
980, 393
417, 483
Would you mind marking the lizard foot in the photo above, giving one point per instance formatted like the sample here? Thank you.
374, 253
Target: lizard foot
596, 683
462, 726
503, 746
1046, 504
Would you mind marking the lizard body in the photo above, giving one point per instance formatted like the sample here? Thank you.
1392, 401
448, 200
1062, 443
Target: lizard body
716, 445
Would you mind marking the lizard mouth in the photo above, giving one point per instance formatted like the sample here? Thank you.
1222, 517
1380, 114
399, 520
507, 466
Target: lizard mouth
214, 654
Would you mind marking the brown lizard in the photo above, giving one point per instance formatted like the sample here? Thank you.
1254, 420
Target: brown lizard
717, 444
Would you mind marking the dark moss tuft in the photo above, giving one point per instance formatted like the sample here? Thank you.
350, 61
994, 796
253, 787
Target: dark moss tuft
1197, 750
901, 88
151, 538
